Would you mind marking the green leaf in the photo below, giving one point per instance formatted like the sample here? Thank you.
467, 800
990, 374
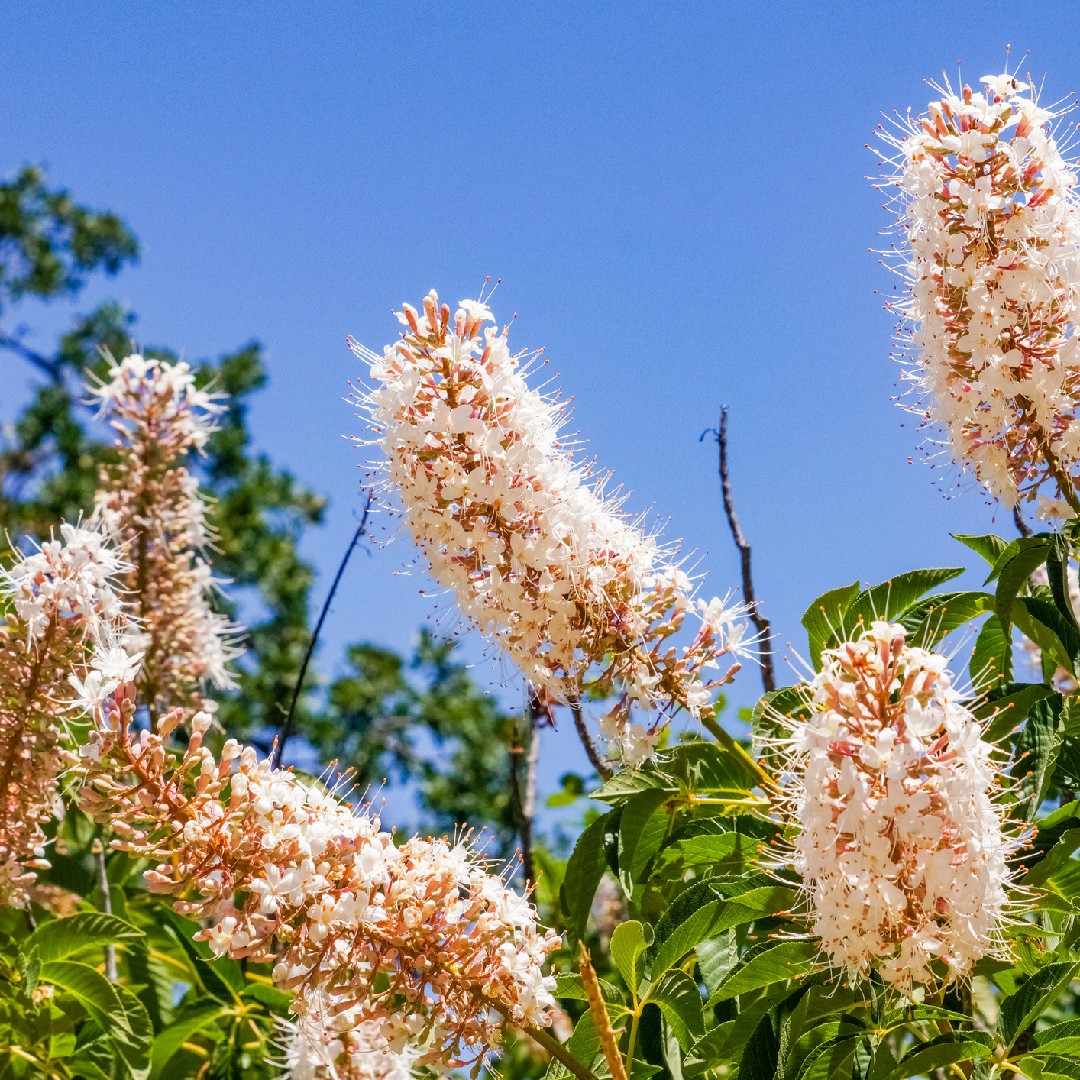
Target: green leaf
1041, 621
938, 1053
1013, 571
1050, 1067
717, 958
1021, 1009
695, 766
1007, 706
1020, 557
932, 619
641, 832
988, 547
585, 1046
1044, 1040
824, 617
569, 987
762, 1053
694, 918
627, 946
584, 870
830, 1059
716, 849
61, 938
116, 1010
192, 1020
892, 598
1057, 572
775, 962
1038, 747
991, 659
680, 1001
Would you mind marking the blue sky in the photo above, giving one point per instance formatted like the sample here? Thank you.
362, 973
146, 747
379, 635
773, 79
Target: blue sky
672, 194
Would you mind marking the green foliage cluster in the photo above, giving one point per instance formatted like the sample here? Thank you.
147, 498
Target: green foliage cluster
703, 968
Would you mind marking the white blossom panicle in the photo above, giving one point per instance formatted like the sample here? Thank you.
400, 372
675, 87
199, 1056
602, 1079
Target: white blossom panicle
150, 498
537, 556
63, 607
899, 843
419, 939
990, 254
322, 1046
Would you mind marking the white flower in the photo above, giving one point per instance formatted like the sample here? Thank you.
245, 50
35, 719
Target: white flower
988, 217
899, 842
538, 556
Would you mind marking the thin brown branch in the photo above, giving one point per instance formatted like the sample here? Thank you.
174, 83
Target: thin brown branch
287, 724
596, 760
1022, 527
45, 365
523, 789
106, 906
761, 623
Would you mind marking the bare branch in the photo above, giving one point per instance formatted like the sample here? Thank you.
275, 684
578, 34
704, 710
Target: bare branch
524, 794
596, 760
1022, 527
42, 363
761, 624
106, 906
287, 724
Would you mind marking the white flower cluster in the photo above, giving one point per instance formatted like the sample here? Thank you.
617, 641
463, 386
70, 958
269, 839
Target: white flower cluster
139, 386
73, 578
899, 843
991, 255
151, 499
64, 606
320, 1047
418, 938
537, 556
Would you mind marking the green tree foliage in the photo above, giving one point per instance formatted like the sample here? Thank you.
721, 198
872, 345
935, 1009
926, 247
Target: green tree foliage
384, 715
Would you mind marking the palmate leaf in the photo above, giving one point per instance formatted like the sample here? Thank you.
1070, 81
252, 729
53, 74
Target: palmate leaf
841, 614
114, 1009
86, 930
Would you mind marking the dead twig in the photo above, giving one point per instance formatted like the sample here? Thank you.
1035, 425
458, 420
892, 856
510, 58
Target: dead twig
596, 760
523, 790
761, 623
287, 724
